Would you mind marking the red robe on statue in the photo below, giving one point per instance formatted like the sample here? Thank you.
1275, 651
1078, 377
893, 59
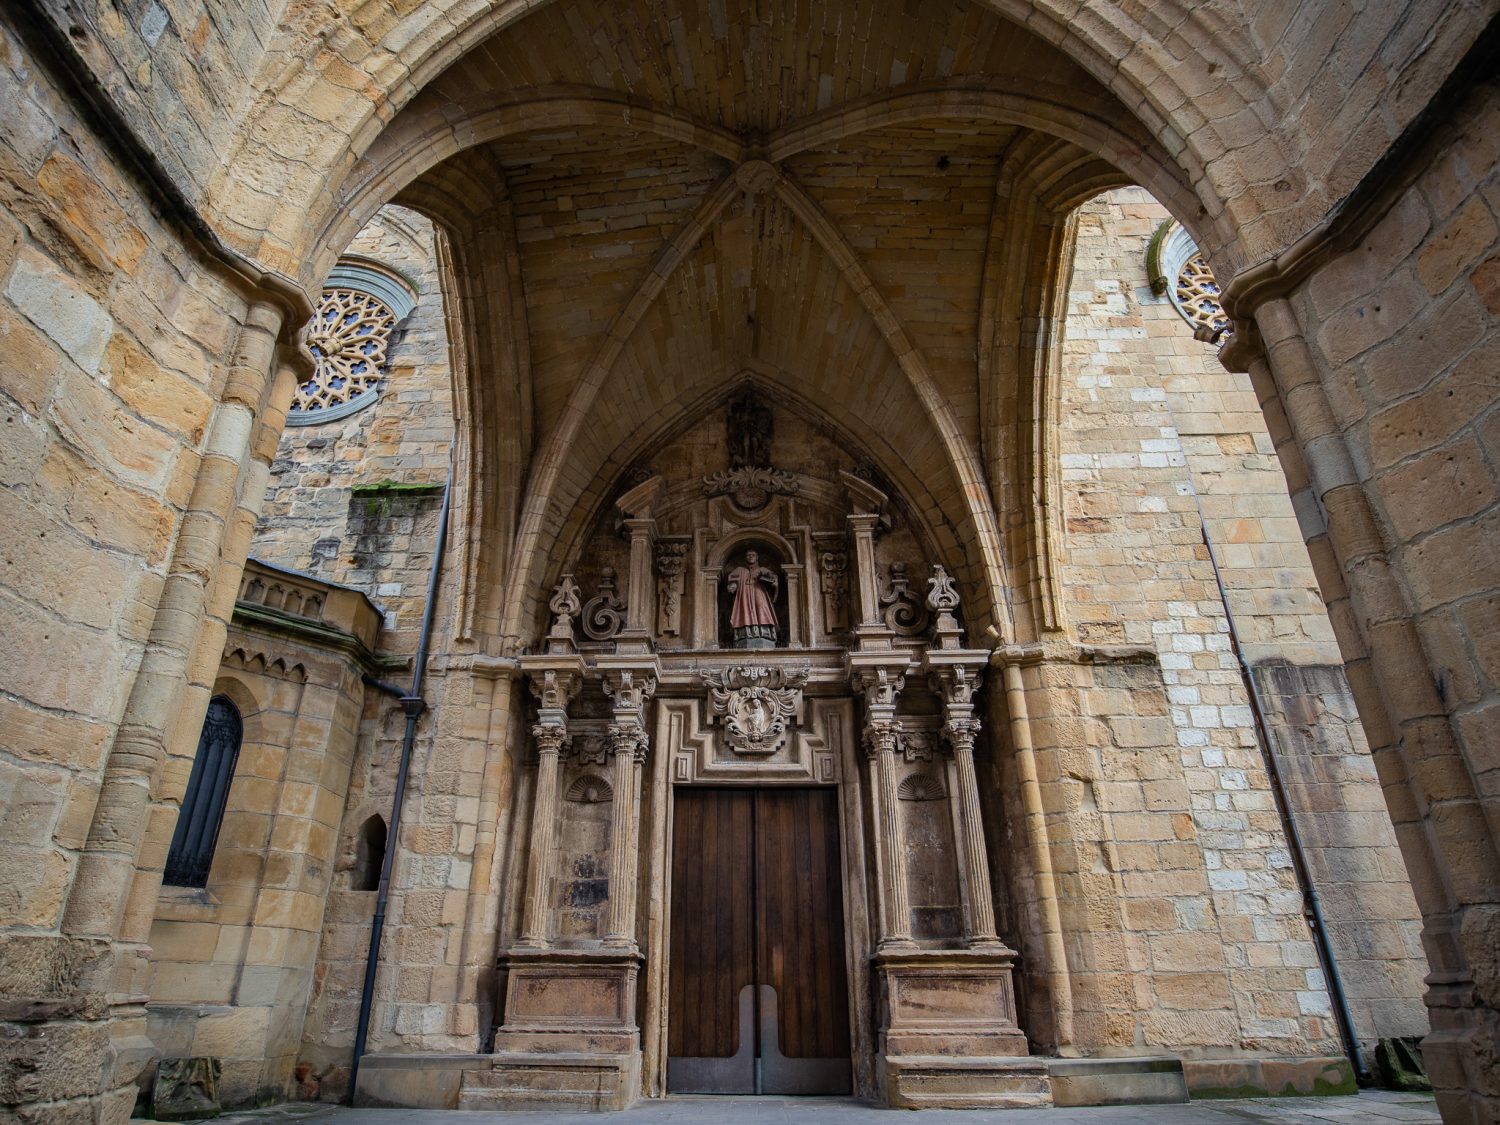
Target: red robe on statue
752, 604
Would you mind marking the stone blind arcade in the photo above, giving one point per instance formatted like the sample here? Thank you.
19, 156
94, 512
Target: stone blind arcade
730, 637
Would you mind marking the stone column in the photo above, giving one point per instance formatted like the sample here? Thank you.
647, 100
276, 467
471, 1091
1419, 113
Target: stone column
639, 504
1428, 780
555, 680
630, 687
107, 867
881, 684
979, 907
640, 588
1038, 844
867, 592
956, 682
865, 505
550, 739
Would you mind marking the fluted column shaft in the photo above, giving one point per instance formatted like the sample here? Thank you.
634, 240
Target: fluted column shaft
630, 687
627, 747
880, 740
979, 907
550, 739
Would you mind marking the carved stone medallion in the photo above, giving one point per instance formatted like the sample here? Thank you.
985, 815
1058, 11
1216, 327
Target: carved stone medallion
755, 704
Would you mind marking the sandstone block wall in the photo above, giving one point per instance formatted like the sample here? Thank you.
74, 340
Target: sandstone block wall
355, 501
1153, 427
139, 392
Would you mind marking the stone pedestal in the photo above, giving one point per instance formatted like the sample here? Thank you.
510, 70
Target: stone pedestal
948, 1032
569, 1040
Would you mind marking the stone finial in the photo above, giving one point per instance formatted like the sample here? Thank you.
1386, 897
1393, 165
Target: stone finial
564, 605
942, 600
901, 610
941, 596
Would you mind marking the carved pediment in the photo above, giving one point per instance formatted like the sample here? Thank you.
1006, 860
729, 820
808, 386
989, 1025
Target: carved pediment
755, 703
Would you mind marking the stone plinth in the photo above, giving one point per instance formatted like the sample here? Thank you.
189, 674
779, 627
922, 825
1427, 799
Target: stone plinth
569, 1040
949, 1035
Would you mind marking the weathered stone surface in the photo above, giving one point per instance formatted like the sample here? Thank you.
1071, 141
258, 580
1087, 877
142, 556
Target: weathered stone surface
186, 1089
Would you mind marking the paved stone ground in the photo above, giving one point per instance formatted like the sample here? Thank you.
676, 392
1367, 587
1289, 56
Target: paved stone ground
1371, 1108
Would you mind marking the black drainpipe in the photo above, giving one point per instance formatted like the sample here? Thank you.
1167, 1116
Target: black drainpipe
413, 704
1312, 909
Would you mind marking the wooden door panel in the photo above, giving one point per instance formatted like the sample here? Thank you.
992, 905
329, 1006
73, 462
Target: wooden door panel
800, 919
758, 985
712, 929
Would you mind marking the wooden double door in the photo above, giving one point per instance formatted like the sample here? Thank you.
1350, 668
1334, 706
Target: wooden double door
759, 997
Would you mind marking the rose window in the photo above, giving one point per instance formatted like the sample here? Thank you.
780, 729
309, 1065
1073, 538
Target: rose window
1198, 295
348, 339
1179, 272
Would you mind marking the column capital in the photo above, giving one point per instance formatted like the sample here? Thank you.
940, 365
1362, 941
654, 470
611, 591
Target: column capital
961, 733
879, 677
628, 738
882, 736
551, 737
955, 674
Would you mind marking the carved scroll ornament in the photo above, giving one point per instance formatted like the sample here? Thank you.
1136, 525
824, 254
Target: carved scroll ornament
751, 489
755, 704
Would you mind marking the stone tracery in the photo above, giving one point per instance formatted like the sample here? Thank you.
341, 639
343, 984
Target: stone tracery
348, 337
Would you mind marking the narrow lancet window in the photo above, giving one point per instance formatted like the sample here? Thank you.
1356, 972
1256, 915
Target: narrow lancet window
202, 811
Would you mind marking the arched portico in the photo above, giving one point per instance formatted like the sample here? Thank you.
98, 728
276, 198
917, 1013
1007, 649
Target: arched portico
1227, 122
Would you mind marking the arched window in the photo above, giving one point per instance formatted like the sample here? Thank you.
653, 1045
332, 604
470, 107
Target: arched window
369, 854
202, 810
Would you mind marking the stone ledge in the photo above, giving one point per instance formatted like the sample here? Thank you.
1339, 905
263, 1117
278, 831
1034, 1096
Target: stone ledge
1153, 1080
1261, 1078
416, 1081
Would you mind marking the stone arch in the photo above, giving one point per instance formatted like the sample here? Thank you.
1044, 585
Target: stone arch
412, 146
721, 550
1028, 264
1160, 66
911, 493
244, 696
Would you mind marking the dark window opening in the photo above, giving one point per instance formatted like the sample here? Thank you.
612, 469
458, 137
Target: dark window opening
202, 811
369, 854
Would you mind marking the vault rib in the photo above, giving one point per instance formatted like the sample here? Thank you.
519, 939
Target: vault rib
553, 456
962, 457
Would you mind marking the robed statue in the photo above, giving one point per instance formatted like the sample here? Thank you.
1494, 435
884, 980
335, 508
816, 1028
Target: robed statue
752, 611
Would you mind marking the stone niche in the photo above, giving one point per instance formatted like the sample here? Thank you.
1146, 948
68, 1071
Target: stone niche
756, 611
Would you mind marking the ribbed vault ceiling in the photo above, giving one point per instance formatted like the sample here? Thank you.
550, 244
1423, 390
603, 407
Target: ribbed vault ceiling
699, 189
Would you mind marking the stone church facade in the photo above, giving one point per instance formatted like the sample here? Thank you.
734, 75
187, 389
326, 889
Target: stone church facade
566, 553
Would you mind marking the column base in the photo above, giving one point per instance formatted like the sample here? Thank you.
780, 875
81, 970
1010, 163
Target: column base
976, 1082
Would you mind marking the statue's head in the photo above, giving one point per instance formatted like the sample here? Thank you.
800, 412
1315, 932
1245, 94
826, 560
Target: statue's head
751, 558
